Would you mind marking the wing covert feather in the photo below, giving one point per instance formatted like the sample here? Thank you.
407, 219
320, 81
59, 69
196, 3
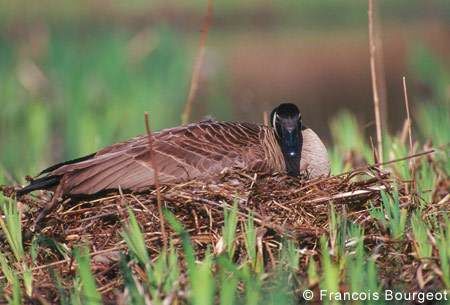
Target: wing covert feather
197, 150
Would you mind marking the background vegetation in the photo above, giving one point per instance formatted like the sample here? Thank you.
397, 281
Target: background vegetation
77, 75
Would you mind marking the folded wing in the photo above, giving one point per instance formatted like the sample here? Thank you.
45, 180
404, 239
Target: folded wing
197, 150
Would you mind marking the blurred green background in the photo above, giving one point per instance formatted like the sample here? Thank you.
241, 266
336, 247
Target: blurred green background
78, 75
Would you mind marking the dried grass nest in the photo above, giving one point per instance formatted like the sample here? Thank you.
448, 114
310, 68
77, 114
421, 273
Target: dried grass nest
281, 207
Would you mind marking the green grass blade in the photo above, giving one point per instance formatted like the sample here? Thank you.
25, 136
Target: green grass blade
89, 289
229, 228
135, 297
420, 233
187, 245
6, 268
202, 283
16, 298
330, 273
135, 239
12, 227
62, 294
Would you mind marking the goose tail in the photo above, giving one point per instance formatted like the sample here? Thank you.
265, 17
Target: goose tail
43, 183
50, 181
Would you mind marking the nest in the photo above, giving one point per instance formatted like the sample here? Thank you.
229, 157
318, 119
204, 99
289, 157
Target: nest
282, 207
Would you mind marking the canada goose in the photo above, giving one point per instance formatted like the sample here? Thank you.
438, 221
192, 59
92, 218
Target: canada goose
198, 150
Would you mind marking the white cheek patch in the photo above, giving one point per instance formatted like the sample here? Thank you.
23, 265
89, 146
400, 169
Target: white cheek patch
274, 120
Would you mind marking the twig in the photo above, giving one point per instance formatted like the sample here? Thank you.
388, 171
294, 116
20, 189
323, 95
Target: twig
156, 178
198, 65
369, 166
422, 153
376, 98
97, 216
346, 195
444, 200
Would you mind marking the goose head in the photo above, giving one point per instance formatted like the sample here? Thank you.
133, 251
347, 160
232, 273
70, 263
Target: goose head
287, 124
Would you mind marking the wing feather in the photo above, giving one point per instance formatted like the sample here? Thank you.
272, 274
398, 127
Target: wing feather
197, 150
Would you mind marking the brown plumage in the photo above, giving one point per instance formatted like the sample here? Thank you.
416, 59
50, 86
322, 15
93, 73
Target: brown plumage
199, 150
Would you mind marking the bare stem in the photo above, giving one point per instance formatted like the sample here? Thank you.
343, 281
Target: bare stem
156, 178
375, 89
198, 65
408, 122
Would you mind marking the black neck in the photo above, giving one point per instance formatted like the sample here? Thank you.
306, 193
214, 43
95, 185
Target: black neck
293, 162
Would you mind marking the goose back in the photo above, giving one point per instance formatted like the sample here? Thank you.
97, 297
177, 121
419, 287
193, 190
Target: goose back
193, 151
